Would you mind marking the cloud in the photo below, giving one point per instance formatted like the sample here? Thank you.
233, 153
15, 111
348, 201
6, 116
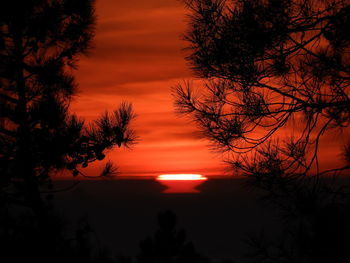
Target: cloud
139, 42
138, 57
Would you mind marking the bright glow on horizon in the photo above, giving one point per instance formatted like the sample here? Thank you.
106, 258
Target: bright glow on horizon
178, 177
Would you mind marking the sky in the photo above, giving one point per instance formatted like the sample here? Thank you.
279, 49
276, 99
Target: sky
138, 56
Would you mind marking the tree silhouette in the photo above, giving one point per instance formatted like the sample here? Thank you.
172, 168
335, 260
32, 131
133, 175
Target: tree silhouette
168, 244
269, 64
40, 44
271, 68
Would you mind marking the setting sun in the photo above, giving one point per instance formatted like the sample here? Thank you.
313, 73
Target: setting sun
181, 183
172, 177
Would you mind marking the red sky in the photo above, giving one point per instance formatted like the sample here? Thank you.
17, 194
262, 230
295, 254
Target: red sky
138, 57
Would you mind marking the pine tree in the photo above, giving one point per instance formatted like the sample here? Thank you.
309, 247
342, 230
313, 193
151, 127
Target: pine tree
40, 44
275, 79
267, 65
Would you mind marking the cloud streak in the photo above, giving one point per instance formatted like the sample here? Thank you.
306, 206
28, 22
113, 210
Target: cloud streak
138, 57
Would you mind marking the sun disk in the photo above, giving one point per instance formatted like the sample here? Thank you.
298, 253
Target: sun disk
192, 177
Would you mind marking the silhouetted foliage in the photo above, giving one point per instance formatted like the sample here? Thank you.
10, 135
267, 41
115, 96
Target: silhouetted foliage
23, 240
168, 244
40, 42
271, 67
269, 64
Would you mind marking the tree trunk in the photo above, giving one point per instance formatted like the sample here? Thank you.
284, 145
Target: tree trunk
24, 161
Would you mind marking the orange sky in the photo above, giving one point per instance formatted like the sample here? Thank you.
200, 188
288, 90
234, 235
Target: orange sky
138, 57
